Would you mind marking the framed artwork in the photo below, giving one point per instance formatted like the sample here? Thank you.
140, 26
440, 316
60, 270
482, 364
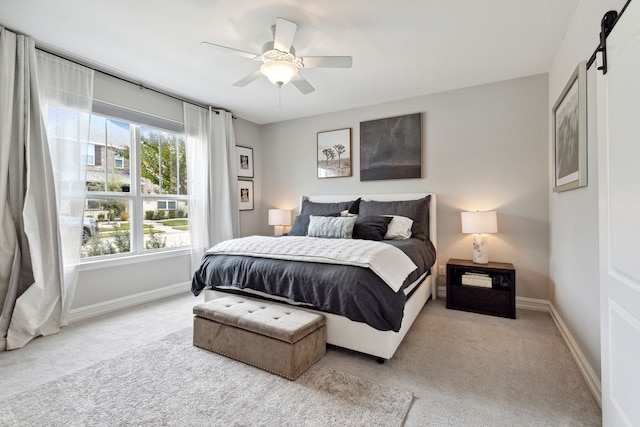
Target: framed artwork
245, 195
334, 153
245, 161
570, 133
391, 148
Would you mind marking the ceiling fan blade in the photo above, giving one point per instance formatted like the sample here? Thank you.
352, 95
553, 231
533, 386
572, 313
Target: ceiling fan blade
230, 50
327, 61
283, 37
248, 79
301, 84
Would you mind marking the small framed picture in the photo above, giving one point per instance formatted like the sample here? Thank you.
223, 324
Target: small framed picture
334, 153
245, 161
245, 195
570, 133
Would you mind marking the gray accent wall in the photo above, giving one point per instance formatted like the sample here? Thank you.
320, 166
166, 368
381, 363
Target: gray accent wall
484, 148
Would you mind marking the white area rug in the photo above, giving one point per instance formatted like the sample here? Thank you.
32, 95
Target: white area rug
170, 382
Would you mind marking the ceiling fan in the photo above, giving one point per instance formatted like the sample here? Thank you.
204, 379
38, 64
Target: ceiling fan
279, 62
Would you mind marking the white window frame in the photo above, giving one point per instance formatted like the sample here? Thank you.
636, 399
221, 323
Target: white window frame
118, 159
134, 197
167, 204
91, 155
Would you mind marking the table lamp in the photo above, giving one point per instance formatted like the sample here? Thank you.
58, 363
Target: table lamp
479, 223
279, 218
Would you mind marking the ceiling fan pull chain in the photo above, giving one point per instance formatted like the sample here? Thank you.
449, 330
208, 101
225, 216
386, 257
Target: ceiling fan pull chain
279, 95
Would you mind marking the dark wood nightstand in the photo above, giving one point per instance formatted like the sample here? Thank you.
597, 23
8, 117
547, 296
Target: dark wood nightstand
489, 289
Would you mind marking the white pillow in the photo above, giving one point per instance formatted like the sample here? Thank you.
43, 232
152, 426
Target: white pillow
347, 213
399, 228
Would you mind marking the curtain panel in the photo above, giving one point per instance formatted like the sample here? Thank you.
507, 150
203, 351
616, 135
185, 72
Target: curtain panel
30, 259
66, 96
212, 179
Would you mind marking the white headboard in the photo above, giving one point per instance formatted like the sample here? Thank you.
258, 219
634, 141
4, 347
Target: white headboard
433, 233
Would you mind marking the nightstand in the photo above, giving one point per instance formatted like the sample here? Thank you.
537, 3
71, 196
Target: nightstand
482, 288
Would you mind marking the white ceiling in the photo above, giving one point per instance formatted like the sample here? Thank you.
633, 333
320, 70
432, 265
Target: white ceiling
400, 49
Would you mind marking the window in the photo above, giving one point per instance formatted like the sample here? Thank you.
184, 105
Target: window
118, 161
165, 205
91, 155
136, 187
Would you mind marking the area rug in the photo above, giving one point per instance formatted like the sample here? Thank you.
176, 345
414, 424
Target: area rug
169, 382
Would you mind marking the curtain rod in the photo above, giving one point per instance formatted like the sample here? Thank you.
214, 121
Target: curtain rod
140, 85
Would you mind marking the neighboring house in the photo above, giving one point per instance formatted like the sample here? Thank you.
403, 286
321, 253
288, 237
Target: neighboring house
107, 162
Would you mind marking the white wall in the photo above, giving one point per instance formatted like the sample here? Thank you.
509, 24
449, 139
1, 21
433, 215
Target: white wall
484, 148
574, 288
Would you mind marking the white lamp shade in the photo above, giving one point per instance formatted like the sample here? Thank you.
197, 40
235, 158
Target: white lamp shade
479, 222
279, 72
279, 217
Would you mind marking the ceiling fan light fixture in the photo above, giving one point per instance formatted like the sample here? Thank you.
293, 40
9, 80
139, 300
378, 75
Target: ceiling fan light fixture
279, 72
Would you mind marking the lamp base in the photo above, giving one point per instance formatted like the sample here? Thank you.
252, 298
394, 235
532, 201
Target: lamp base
480, 249
278, 230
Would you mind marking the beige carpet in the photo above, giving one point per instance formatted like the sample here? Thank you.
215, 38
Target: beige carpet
172, 383
463, 369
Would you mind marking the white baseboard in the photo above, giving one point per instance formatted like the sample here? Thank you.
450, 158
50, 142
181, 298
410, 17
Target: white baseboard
593, 382
532, 304
81, 313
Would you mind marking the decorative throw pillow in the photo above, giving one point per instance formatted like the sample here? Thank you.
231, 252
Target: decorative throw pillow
340, 227
372, 227
399, 228
416, 210
301, 223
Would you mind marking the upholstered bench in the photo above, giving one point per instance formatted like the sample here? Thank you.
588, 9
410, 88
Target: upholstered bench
280, 339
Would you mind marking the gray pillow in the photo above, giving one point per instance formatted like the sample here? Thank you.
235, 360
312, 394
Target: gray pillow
340, 227
301, 223
417, 210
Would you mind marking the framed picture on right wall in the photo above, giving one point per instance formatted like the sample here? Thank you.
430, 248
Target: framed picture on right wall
570, 133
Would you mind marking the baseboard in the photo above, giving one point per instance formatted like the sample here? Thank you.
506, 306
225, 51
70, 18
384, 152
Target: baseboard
532, 304
593, 382
105, 307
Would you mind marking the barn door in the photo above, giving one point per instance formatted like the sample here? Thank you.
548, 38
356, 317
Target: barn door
619, 199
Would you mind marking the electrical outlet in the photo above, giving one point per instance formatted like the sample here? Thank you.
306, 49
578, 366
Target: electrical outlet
441, 270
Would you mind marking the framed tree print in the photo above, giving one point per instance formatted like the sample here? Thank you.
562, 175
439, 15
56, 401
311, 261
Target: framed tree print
334, 153
570, 133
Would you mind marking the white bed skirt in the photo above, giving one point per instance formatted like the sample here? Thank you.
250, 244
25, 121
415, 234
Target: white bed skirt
359, 336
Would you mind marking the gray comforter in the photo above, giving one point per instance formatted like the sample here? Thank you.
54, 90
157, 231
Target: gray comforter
354, 292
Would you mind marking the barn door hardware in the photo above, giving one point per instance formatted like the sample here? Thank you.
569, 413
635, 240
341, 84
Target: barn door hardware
607, 23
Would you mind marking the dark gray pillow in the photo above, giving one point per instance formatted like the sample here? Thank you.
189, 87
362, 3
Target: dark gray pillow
301, 223
417, 210
372, 227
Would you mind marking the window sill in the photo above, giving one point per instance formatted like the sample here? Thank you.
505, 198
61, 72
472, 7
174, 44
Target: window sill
115, 261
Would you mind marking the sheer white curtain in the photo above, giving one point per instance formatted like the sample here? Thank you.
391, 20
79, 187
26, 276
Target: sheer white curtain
66, 93
212, 179
30, 259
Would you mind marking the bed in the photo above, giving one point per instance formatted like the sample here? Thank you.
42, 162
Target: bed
366, 330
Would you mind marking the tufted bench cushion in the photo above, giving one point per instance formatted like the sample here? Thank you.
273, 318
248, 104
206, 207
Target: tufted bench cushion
277, 338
